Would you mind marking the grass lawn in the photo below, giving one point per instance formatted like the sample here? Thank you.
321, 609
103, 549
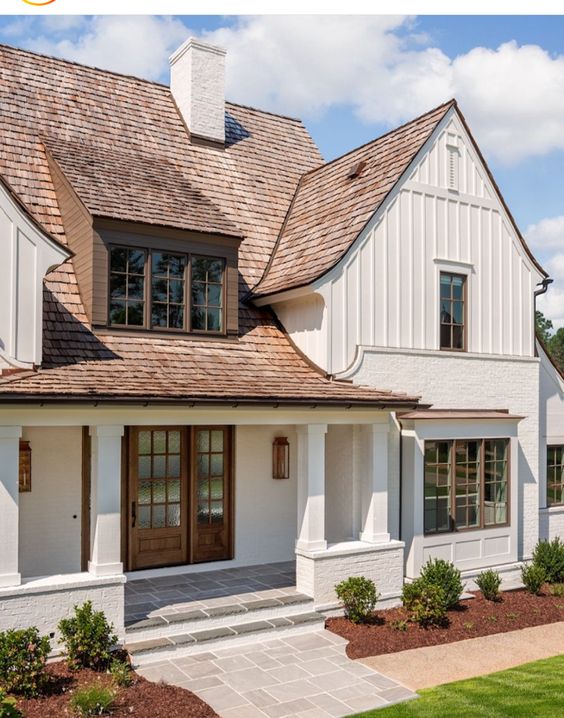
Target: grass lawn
534, 689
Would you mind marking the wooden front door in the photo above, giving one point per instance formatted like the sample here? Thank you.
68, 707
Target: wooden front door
158, 494
180, 494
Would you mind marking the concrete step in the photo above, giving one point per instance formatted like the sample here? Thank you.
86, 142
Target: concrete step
182, 622
206, 639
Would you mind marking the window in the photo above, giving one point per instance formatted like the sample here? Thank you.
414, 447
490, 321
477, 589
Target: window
152, 290
452, 311
207, 294
466, 484
555, 475
127, 286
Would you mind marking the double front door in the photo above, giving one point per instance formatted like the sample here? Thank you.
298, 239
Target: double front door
179, 495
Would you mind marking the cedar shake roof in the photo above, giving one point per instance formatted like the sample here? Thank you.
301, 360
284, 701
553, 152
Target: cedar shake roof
124, 148
331, 208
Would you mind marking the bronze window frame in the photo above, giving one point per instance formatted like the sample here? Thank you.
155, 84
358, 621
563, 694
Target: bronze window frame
482, 525
451, 299
549, 466
147, 300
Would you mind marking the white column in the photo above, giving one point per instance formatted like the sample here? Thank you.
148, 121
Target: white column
311, 487
9, 505
105, 501
375, 484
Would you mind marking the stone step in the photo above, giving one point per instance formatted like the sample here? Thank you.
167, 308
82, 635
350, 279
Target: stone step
181, 622
198, 641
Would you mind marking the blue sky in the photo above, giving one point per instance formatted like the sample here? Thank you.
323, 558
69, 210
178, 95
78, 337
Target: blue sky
351, 78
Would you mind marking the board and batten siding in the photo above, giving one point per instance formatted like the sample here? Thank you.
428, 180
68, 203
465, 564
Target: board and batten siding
443, 215
27, 255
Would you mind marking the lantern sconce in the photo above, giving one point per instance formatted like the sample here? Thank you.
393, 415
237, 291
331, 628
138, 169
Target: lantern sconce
280, 458
25, 467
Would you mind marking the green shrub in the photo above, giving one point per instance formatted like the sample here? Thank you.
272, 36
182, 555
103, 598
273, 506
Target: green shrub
441, 573
121, 673
93, 701
8, 707
88, 637
425, 603
533, 576
557, 589
549, 555
23, 655
359, 597
489, 582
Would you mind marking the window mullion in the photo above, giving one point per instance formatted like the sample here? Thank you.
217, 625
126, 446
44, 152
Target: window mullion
482, 481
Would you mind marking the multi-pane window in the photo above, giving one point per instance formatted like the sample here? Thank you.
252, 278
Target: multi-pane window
555, 475
127, 286
452, 311
210, 455
207, 294
159, 472
166, 290
466, 484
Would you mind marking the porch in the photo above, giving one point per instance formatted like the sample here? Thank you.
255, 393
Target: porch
71, 536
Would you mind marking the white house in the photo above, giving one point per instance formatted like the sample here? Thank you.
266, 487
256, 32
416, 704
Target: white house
245, 355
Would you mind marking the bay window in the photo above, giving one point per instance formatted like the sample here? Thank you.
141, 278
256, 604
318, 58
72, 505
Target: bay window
466, 484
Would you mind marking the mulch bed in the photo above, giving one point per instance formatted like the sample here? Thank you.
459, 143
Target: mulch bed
141, 700
471, 618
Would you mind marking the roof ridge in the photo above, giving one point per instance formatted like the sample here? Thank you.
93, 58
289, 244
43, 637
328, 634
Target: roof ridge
451, 103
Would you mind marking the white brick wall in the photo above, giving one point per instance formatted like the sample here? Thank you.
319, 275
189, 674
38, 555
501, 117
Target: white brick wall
552, 523
318, 573
471, 382
43, 603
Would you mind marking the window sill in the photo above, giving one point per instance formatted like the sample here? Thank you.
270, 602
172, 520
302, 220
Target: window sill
553, 509
104, 330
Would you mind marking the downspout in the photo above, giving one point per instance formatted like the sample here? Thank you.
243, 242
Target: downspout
544, 285
400, 481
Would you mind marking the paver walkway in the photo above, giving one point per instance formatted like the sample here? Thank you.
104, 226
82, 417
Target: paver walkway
434, 665
303, 676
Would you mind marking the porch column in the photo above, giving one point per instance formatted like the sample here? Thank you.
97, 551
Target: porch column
375, 483
9, 505
311, 487
105, 501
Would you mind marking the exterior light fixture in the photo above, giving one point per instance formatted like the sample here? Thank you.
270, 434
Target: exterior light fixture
25, 467
281, 458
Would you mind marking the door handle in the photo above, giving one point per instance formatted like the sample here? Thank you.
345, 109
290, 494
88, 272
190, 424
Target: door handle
133, 514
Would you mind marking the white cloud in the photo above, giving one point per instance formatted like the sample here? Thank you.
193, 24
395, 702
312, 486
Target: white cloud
546, 235
381, 66
137, 45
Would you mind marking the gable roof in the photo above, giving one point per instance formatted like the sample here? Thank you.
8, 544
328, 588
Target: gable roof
125, 149
331, 208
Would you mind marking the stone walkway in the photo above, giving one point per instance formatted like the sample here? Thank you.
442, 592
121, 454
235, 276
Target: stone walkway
434, 665
303, 676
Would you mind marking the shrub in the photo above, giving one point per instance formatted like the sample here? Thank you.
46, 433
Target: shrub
359, 597
489, 582
557, 589
93, 701
437, 572
121, 673
88, 638
533, 576
549, 555
23, 655
8, 707
425, 603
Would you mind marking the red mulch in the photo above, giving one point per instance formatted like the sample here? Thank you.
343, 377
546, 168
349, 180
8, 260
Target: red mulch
141, 700
473, 617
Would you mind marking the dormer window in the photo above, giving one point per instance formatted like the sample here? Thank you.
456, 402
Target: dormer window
152, 289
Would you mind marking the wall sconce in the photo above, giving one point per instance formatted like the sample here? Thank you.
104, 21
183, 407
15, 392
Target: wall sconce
25, 467
280, 458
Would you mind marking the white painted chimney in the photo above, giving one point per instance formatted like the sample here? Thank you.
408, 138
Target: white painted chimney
197, 82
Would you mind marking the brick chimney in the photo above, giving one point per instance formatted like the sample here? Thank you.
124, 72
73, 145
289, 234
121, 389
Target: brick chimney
197, 82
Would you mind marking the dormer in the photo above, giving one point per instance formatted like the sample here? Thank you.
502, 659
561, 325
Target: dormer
28, 255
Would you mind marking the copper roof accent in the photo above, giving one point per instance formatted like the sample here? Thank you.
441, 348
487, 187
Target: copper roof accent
454, 414
331, 207
123, 146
